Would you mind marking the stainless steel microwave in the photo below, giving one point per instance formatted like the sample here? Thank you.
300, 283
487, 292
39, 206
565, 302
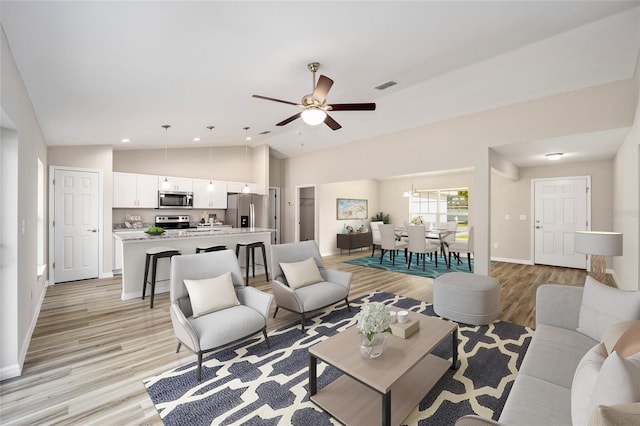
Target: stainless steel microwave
175, 200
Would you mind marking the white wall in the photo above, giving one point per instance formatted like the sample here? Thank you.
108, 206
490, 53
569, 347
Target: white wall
23, 292
626, 201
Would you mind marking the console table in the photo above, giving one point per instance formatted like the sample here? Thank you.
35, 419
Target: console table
354, 240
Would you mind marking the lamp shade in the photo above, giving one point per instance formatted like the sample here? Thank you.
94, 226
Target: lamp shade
313, 116
598, 243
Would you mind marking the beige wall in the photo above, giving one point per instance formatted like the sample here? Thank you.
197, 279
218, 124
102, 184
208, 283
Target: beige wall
328, 226
463, 143
22, 143
626, 201
96, 158
513, 198
227, 163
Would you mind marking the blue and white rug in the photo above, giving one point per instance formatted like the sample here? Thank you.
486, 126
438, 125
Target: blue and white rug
249, 383
431, 271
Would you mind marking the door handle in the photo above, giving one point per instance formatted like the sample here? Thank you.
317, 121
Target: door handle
92, 230
538, 227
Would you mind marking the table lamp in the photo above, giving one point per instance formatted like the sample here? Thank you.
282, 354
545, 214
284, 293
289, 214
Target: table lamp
598, 245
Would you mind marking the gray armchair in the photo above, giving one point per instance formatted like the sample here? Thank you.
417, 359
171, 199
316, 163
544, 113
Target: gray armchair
333, 289
214, 330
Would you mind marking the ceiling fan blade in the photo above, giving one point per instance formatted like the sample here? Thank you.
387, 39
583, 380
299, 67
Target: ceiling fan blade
332, 123
289, 120
353, 107
274, 99
322, 88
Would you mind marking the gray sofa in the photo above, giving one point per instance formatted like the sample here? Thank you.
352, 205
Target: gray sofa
541, 394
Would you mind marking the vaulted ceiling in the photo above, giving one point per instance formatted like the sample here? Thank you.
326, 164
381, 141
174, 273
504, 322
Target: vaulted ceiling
98, 72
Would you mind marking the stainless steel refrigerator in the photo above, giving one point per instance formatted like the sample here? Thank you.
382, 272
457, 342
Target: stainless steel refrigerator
245, 211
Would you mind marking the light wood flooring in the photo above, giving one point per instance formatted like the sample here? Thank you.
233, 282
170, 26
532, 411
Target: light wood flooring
90, 350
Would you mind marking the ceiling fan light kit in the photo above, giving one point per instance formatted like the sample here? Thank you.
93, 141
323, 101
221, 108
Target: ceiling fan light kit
314, 106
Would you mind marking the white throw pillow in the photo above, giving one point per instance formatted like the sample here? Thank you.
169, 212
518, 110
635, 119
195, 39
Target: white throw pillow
603, 306
300, 274
584, 382
211, 294
618, 382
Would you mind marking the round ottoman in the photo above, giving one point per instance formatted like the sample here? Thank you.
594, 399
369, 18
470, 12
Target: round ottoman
467, 298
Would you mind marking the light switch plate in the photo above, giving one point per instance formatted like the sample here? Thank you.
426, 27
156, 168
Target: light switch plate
523, 217
507, 217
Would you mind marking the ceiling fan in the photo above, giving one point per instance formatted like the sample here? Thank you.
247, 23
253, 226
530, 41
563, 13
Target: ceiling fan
314, 106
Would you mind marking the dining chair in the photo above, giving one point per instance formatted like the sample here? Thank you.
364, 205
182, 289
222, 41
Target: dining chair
420, 245
389, 243
462, 247
375, 235
448, 239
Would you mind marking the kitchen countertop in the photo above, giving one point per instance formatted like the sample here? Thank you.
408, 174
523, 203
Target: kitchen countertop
172, 234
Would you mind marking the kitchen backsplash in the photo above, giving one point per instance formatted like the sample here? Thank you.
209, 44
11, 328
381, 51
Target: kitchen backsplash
148, 216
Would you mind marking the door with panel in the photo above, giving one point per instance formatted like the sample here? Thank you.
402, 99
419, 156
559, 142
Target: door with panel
560, 209
76, 225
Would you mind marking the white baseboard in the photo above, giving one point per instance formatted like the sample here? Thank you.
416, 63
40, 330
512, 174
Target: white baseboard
508, 260
10, 371
106, 275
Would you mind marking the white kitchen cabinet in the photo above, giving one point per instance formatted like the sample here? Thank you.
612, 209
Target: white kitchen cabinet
117, 254
205, 199
238, 187
132, 190
176, 184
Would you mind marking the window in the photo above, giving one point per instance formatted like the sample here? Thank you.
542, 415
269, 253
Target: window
41, 221
440, 206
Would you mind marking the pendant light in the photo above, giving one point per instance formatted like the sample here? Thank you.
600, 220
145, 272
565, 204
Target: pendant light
412, 193
210, 186
165, 184
246, 189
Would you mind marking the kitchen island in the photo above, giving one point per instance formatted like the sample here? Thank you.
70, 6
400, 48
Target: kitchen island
136, 244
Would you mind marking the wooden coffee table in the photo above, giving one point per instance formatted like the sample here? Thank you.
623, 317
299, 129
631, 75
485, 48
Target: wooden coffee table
386, 389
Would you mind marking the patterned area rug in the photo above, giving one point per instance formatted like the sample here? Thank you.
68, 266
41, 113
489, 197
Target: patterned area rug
251, 384
430, 268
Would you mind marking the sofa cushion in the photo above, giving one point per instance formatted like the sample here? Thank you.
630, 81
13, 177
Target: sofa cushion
618, 382
554, 354
319, 295
536, 402
603, 306
616, 415
584, 382
211, 294
629, 343
228, 325
300, 274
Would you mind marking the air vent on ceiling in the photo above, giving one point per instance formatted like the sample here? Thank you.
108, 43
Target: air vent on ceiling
266, 132
386, 85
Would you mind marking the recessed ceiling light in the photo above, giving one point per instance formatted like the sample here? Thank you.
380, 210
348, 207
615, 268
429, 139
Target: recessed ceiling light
554, 156
196, 139
125, 140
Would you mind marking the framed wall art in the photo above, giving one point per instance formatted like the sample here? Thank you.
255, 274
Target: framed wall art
349, 208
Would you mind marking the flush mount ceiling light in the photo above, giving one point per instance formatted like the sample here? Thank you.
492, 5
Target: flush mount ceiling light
196, 139
210, 186
165, 184
554, 156
125, 140
313, 116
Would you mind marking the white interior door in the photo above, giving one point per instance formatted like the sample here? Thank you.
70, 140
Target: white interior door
560, 209
76, 225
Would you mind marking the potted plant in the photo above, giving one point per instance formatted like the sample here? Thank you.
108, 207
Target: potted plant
381, 217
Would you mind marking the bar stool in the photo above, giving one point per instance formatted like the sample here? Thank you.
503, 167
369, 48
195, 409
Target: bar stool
250, 252
153, 254
204, 248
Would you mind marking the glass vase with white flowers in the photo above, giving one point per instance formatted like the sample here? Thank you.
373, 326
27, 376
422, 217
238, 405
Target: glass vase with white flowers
374, 321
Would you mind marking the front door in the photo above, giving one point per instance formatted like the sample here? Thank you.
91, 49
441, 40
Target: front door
76, 225
560, 209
